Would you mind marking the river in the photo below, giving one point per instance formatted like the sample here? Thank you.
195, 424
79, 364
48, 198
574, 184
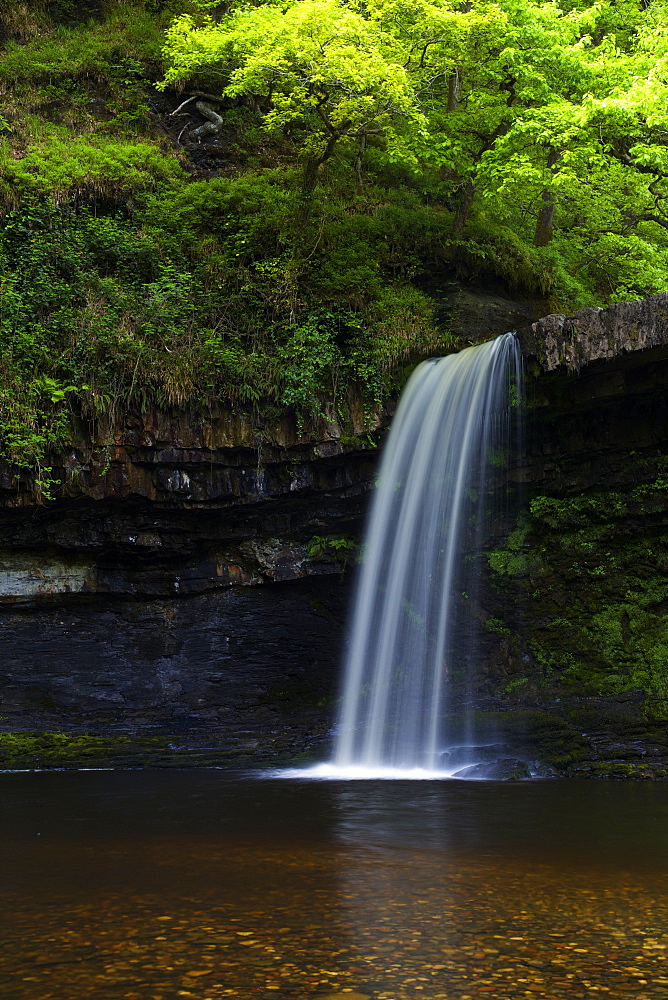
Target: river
151, 885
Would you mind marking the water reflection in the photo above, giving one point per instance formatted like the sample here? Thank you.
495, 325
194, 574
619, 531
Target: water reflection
378, 815
608, 823
485, 890
206, 885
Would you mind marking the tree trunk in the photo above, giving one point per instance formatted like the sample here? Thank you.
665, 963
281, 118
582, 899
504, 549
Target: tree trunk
213, 126
454, 88
361, 149
311, 173
545, 220
309, 184
310, 178
464, 207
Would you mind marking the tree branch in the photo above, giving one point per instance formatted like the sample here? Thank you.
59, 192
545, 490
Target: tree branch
654, 218
642, 168
196, 94
214, 124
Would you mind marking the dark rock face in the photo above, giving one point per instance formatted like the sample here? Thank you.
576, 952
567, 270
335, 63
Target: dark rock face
505, 769
230, 635
597, 428
179, 506
251, 671
475, 315
576, 598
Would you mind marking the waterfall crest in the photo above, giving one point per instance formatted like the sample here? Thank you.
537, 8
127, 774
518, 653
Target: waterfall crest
429, 513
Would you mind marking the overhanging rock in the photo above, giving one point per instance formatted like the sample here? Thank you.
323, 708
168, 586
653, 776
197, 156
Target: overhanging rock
570, 343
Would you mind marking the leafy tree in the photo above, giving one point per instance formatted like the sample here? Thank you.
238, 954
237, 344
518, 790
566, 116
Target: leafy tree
547, 115
568, 128
317, 66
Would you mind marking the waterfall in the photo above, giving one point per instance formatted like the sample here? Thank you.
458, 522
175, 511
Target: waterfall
412, 635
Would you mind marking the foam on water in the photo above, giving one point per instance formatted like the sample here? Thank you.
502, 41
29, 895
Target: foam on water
332, 772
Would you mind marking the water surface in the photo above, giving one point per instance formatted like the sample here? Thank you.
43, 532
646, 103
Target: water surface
203, 884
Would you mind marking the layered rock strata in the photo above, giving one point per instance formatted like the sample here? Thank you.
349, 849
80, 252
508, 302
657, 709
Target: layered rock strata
183, 515
174, 504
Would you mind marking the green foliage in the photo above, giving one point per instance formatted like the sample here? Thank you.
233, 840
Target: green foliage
307, 359
546, 123
594, 572
599, 505
425, 138
497, 626
328, 70
515, 685
65, 168
86, 49
331, 545
515, 558
193, 300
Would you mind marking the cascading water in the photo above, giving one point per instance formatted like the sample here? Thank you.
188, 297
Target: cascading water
410, 631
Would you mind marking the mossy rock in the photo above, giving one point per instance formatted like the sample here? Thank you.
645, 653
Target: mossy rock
624, 770
29, 751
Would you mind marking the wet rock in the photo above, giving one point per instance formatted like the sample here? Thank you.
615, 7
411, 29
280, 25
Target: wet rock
180, 506
506, 769
477, 314
253, 670
466, 756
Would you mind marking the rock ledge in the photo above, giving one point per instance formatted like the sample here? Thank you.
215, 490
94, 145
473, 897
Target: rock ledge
572, 342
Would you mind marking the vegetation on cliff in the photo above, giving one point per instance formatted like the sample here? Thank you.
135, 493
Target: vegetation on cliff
589, 576
208, 203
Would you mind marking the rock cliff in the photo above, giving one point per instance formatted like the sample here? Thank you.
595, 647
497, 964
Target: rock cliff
175, 504
130, 605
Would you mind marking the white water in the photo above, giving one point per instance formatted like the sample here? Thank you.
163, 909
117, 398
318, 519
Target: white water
412, 636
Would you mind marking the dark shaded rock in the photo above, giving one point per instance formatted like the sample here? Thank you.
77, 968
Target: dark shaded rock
465, 756
506, 769
475, 315
254, 670
181, 505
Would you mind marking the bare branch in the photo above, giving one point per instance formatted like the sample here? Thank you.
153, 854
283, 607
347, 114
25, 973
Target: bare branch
214, 124
196, 94
182, 106
432, 41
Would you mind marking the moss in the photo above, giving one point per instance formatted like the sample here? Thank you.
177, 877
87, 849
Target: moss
599, 505
65, 751
25, 751
516, 558
533, 734
550, 738
497, 626
590, 572
515, 686
337, 547
621, 769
